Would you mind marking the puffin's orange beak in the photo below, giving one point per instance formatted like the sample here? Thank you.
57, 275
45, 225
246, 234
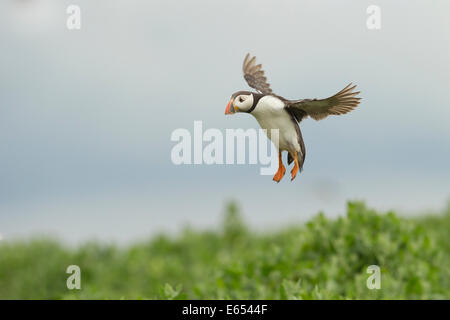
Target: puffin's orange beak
230, 108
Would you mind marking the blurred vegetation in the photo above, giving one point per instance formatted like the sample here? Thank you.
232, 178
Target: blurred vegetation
322, 259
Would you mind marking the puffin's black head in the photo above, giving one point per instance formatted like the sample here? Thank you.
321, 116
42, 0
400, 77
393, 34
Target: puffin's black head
242, 101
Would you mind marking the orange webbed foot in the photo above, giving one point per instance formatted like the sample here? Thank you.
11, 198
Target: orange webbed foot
295, 168
280, 174
294, 172
281, 169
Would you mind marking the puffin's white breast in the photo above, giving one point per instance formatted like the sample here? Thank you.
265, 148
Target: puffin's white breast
270, 114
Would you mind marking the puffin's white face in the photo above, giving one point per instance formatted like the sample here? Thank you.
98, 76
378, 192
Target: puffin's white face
240, 103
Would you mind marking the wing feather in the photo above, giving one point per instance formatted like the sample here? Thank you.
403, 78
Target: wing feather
254, 75
341, 103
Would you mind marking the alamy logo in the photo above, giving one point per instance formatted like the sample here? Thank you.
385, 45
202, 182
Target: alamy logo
74, 280
374, 281
190, 149
374, 19
74, 18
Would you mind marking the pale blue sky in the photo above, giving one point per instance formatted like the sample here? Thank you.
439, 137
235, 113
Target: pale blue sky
86, 116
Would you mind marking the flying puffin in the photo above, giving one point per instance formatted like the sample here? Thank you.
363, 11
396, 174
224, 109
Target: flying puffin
275, 112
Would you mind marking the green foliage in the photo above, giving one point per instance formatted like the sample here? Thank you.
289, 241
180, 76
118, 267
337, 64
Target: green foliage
323, 259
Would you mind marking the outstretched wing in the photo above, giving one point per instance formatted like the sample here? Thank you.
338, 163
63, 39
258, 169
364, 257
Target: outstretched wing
254, 75
342, 102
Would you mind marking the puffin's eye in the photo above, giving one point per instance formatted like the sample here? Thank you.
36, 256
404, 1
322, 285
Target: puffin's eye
241, 99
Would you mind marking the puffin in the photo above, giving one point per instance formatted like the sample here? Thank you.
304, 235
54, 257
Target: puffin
275, 112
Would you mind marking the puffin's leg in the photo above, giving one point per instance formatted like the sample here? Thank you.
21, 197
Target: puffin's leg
295, 168
281, 169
